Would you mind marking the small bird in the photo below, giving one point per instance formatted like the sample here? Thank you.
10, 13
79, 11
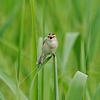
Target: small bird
49, 46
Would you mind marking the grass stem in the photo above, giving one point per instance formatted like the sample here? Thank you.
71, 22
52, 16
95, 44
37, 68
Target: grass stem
55, 78
20, 50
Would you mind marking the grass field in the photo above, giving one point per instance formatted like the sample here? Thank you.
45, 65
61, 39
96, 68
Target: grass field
74, 73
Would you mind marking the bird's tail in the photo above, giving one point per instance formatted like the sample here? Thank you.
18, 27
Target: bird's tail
40, 60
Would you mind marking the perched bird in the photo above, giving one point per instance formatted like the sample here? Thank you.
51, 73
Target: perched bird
49, 46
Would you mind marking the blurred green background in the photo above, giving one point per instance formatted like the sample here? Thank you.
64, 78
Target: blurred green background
77, 26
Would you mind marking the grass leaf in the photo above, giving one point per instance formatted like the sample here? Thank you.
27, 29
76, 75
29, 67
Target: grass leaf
33, 81
95, 34
13, 47
80, 53
10, 17
70, 40
20, 49
1, 96
97, 93
76, 87
7, 80
34, 52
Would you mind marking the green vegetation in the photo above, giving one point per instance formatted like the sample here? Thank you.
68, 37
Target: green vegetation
73, 74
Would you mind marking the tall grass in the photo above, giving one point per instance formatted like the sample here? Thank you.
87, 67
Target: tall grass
76, 25
43, 34
20, 51
34, 94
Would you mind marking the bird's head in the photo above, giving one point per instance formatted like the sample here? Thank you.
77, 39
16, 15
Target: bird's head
51, 36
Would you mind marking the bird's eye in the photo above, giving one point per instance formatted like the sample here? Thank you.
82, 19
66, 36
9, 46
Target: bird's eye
53, 34
49, 33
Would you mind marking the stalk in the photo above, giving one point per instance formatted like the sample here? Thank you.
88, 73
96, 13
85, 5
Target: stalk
55, 78
34, 95
44, 7
20, 51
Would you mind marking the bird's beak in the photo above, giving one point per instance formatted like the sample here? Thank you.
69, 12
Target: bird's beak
50, 36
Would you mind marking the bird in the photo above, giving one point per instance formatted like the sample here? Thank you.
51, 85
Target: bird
49, 46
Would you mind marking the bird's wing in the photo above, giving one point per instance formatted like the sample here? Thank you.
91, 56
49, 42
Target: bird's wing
44, 40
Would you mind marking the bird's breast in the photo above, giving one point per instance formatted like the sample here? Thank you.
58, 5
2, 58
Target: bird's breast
52, 44
49, 47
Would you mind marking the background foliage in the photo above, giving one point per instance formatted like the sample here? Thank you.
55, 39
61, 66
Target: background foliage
76, 24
